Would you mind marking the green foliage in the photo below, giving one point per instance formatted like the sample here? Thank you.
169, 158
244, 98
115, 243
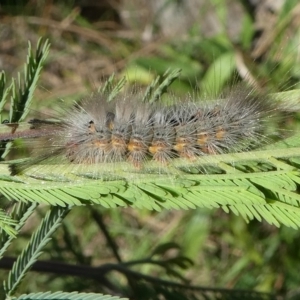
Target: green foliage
7, 224
19, 215
34, 248
22, 90
257, 185
70, 296
110, 88
3, 92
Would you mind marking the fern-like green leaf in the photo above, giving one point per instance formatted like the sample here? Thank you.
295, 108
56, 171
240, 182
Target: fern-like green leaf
66, 296
34, 248
20, 214
260, 185
159, 86
7, 224
20, 102
112, 88
21, 90
4, 92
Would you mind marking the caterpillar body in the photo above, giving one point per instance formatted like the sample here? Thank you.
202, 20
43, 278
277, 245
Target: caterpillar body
127, 130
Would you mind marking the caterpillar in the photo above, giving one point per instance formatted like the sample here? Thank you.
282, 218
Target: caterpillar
128, 130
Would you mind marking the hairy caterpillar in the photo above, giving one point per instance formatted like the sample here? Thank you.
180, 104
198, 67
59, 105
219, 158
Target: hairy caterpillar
129, 131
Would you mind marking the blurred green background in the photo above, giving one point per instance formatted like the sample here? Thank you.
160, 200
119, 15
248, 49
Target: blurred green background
215, 43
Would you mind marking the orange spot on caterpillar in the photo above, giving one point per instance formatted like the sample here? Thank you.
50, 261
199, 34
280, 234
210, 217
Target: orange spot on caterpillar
136, 145
101, 144
160, 151
184, 149
202, 138
118, 143
220, 133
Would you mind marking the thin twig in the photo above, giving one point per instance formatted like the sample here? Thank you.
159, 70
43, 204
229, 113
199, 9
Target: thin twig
110, 241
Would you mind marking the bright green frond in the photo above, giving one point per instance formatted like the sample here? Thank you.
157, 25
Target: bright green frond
66, 296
